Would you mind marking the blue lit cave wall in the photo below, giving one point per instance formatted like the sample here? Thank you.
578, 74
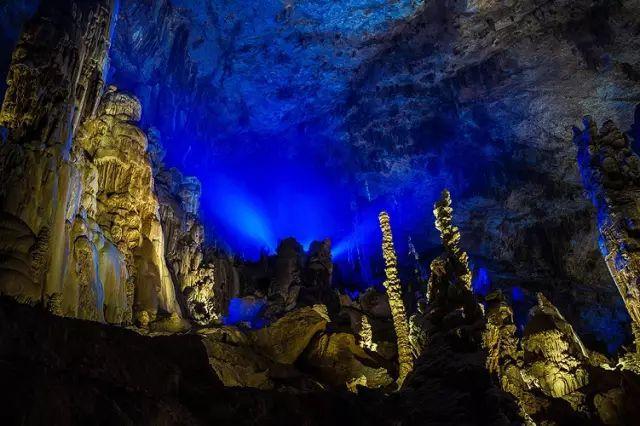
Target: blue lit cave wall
305, 118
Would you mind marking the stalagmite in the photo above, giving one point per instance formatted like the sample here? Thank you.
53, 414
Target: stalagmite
126, 206
611, 175
366, 333
394, 292
450, 236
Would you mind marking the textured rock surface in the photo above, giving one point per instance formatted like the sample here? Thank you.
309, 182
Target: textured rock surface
611, 175
286, 339
125, 205
476, 96
450, 329
555, 357
54, 82
396, 303
339, 360
66, 371
81, 218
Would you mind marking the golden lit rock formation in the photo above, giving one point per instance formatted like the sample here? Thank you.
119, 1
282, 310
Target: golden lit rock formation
555, 358
366, 333
450, 236
54, 83
394, 292
80, 221
127, 208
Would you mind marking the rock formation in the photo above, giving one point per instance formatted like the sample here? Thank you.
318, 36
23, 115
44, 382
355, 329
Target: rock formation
126, 206
447, 335
54, 83
286, 282
554, 378
207, 280
611, 176
81, 220
394, 293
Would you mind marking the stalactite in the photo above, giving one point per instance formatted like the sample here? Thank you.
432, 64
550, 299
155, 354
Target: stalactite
394, 293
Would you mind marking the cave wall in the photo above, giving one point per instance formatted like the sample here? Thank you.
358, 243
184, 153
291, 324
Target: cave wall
482, 100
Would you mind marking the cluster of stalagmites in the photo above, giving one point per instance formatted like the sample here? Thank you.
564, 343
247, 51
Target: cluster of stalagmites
549, 372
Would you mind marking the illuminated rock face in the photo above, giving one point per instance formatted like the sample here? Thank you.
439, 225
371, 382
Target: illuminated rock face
504, 357
340, 360
611, 175
553, 376
201, 281
449, 292
54, 83
555, 358
394, 293
81, 220
126, 206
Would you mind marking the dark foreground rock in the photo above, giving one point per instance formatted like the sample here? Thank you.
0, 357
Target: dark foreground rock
63, 371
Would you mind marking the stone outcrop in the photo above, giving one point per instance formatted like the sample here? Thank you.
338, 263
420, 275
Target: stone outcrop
295, 352
339, 360
555, 358
62, 370
554, 378
286, 282
447, 334
611, 176
125, 206
285, 340
206, 280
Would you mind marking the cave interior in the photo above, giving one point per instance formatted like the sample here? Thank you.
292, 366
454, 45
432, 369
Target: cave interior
320, 212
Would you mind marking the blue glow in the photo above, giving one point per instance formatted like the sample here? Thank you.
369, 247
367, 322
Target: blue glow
517, 295
245, 311
481, 282
254, 201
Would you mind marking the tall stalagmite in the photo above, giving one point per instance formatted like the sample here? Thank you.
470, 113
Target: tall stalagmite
611, 175
394, 293
127, 207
